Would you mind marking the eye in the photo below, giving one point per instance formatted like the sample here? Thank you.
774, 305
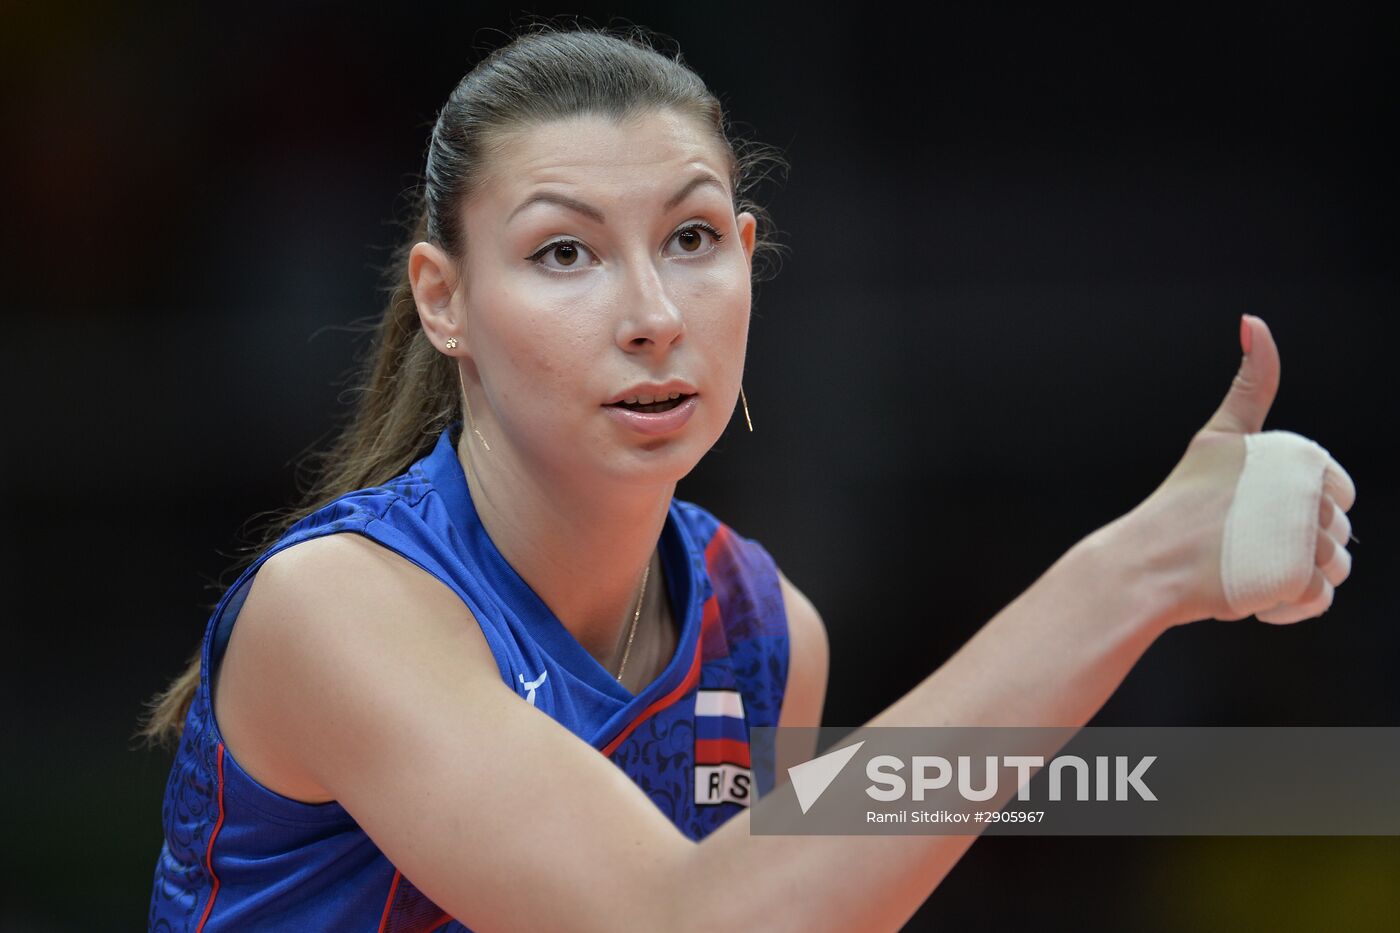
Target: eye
690, 239
567, 254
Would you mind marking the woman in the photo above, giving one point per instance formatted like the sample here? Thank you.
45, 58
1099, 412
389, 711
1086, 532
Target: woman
496, 537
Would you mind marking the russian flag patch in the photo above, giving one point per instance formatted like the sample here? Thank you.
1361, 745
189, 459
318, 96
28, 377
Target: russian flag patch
722, 766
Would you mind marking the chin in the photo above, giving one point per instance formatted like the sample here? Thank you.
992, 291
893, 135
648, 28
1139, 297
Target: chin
657, 461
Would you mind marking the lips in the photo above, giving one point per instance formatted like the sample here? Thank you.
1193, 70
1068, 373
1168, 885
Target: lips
654, 419
653, 406
652, 392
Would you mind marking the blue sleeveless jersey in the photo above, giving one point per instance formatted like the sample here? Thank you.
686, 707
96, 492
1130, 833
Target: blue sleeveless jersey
239, 856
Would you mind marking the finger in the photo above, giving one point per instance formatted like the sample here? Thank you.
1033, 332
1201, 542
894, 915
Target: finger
1334, 521
1316, 600
1252, 392
1333, 559
1337, 483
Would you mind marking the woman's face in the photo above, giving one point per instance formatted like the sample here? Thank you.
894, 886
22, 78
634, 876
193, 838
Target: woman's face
603, 256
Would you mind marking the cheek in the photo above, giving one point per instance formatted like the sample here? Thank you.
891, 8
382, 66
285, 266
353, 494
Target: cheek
722, 323
718, 298
537, 347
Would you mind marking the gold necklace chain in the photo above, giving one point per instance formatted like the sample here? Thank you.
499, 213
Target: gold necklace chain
635, 616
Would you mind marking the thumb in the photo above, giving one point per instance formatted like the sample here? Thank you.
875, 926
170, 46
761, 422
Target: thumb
1252, 392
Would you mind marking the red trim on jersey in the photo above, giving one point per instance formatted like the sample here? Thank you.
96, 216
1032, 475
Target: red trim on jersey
712, 639
209, 853
691, 679
718, 542
389, 901
709, 621
711, 631
722, 751
412, 905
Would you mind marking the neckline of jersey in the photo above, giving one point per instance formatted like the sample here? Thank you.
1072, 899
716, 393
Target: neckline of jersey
444, 470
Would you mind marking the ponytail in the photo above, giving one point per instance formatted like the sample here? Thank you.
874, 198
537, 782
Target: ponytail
406, 395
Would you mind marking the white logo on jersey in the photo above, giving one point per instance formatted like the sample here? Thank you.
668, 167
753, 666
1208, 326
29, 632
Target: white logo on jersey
532, 686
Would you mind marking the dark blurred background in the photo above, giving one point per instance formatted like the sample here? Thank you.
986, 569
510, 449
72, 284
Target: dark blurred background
1019, 247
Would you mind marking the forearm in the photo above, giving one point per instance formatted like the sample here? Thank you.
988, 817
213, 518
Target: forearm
1050, 658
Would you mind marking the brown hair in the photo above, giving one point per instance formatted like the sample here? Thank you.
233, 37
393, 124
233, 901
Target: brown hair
406, 390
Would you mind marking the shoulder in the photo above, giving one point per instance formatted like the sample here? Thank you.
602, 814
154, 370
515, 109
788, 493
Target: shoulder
726, 550
326, 623
346, 592
738, 561
367, 678
333, 577
802, 615
806, 630
352, 511
696, 520
809, 658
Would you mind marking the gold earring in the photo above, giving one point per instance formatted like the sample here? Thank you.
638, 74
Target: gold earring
451, 343
468, 401
746, 407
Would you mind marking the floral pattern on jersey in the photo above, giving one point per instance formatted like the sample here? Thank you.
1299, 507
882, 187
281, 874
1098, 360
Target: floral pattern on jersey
748, 653
657, 756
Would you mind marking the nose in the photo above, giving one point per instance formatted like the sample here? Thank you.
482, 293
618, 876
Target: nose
652, 322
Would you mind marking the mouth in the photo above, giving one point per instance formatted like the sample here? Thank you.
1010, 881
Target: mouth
649, 405
655, 416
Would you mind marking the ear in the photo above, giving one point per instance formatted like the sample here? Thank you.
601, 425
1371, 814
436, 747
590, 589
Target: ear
433, 277
748, 232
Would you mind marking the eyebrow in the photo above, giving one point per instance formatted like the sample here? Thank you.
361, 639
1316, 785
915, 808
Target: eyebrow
592, 213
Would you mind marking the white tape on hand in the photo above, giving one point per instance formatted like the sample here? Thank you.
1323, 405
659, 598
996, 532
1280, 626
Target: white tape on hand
1269, 549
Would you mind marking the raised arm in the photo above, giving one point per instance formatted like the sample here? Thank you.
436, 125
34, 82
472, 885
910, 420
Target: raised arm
1055, 654
367, 678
